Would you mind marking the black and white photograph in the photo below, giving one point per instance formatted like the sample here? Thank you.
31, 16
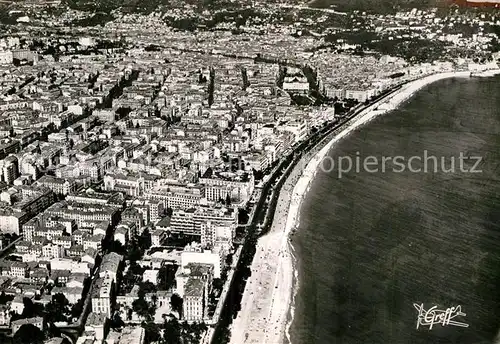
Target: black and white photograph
249, 171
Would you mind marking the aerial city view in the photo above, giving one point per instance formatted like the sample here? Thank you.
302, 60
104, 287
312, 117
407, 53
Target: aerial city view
249, 171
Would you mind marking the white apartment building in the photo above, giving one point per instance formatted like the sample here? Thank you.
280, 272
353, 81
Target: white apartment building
238, 186
177, 196
194, 253
51, 250
6, 57
190, 221
69, 264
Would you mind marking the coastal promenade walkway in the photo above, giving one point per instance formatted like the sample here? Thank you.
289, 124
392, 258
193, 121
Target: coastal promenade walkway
268, 291
270, 282
267, 296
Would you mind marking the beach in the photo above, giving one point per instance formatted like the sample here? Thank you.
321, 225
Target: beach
269, 291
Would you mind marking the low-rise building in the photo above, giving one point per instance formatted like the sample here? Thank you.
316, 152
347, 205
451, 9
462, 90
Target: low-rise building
58, 186
16, 325
110, 265
97, 324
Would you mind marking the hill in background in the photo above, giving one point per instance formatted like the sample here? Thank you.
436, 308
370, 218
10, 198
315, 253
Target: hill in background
383, 5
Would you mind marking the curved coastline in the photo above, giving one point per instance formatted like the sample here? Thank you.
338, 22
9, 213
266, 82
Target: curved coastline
267, 306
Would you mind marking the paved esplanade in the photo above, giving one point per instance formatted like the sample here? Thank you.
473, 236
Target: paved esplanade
267, 294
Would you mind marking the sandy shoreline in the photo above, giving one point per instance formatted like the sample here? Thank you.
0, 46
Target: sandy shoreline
273, 284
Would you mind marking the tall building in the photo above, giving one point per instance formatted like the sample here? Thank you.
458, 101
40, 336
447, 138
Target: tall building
102, 295
194, 282
10, 170
182, 221
219, 185
193, 304
30, 227
190, 221
214, 233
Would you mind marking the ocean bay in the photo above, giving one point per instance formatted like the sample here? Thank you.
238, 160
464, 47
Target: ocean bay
372, 244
